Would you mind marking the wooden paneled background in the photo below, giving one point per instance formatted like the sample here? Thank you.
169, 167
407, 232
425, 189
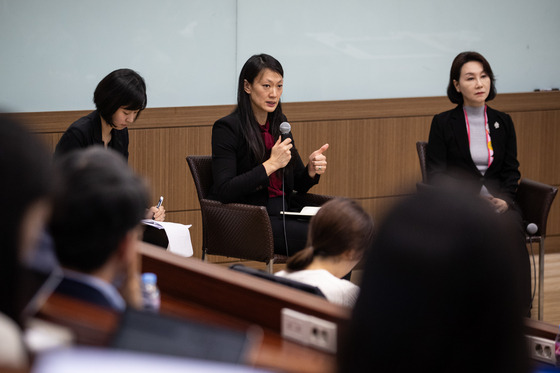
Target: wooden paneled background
372, 155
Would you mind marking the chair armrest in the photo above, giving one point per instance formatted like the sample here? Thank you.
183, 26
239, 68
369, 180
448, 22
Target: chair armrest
424, 187
234, 207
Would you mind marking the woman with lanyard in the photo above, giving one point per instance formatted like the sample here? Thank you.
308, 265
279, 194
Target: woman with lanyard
474, 146
252, 163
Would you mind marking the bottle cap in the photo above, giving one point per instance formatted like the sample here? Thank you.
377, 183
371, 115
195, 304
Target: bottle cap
149, 278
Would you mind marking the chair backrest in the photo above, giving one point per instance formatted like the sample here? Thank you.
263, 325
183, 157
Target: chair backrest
201, 170
534, 199
421, 148
234, 230
279, 280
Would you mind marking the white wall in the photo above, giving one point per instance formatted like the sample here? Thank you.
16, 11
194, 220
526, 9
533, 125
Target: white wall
53, 53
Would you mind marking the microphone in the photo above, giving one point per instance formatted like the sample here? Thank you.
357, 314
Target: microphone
532, 228
285, 129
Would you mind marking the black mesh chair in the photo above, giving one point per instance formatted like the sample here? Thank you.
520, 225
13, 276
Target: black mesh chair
234, 229
533, 198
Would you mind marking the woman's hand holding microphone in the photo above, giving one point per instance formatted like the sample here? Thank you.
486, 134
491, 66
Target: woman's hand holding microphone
280, 156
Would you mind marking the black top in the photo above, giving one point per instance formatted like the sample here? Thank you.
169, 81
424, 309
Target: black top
238, 177
448, 154
86, 131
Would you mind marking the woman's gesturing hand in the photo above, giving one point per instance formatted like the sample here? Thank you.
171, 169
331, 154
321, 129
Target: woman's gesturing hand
317, 162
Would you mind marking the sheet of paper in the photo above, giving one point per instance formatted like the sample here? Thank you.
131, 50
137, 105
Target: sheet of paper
306, 211
178, 235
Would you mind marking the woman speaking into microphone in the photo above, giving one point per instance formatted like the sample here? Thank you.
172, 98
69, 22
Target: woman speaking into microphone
252, 163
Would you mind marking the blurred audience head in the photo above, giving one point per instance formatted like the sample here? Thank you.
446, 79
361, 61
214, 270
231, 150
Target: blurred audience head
25, 188
438, 292
98, 201
341, 227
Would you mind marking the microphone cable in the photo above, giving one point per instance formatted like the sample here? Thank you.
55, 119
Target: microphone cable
534, 271
285, 129
284, 213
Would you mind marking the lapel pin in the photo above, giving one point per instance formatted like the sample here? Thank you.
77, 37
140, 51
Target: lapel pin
496, 125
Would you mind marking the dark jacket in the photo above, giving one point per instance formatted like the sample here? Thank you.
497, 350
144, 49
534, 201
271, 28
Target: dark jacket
84, 292
449, 157
86, 131
238, 177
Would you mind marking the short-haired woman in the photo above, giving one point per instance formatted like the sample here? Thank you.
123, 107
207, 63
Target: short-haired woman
119, 99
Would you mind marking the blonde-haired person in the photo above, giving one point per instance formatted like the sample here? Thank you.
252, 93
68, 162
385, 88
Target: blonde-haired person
338, 236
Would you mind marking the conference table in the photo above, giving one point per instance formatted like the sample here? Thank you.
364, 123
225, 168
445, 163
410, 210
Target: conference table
212, 294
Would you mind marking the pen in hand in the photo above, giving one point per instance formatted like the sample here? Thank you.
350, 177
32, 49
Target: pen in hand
158, 206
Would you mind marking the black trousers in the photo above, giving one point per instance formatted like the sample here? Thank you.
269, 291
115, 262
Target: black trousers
290, 233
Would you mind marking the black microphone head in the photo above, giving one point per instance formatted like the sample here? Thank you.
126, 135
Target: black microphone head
532, 228
285, 128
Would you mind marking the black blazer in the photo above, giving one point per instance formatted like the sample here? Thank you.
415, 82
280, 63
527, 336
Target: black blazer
86, 132
238, 177
448, 153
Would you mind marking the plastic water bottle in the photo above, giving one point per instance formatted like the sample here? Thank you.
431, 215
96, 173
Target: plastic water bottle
150, 292
557, 349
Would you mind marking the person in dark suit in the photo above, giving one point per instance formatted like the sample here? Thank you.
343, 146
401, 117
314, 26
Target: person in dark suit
25, 187
251, 163
119, 99
438, 292
474, 147
98, 205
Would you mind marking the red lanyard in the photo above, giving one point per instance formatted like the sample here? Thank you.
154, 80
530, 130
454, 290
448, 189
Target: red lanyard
487, 129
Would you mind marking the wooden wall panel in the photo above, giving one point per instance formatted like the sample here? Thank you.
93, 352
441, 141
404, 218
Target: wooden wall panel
372, 155
160, 155
49, 139
553, 226
366, 157
538, 136
538, 139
